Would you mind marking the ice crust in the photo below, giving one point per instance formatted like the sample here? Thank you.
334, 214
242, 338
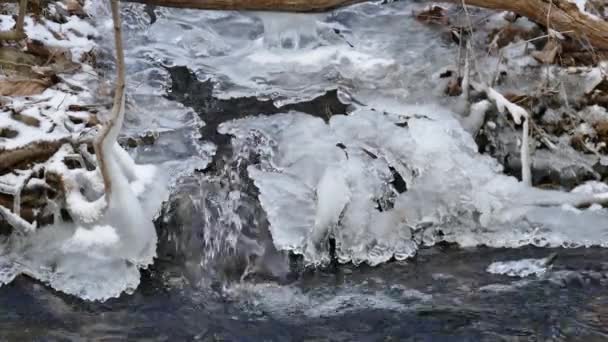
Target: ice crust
333, 180
519, 268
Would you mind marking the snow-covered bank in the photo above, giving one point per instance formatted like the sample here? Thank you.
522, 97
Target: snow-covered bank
72, 237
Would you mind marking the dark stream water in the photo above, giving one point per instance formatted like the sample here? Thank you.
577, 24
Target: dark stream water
443, 295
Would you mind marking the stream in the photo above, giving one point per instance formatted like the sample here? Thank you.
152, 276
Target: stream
270, 124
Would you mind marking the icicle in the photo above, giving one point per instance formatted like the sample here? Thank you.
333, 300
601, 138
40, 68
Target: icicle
526, 172
519, 115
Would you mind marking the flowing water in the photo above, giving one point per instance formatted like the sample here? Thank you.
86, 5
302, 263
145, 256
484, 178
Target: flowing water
322, 189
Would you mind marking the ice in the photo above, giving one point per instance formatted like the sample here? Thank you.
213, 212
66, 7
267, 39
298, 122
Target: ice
595, 77
288, 30
326, 185
98, 255
89, 238
333, 180
501, 288
520, 268
283, 194
291, 57
582, 7
287, 300
75, 33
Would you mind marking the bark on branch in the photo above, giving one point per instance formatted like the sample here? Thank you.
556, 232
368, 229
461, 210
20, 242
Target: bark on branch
106, 139
560, 15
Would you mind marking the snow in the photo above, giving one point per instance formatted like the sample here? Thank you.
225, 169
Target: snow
76, 34
582, 7
595, 76
96, 255
505, 106
88, 238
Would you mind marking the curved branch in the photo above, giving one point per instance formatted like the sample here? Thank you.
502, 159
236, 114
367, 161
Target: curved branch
104, 143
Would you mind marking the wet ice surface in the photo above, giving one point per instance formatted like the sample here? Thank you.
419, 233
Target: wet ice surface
520, 268
446, 294
264, 181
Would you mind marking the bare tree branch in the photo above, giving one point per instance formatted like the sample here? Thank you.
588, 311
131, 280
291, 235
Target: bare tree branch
108, 134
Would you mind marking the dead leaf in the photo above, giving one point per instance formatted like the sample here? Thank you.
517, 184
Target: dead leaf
577, 142
454, 88
59, 59
549, 53
434, 15
26, 119
89, 120
521, 100
62, 64
601, 129
89, 58
8, 133
512, 17
24, 87
37, 48
56, 35
502, 37
599, 98
74, 8
14, 59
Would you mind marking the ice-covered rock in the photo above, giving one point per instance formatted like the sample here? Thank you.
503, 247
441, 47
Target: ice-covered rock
520, 268
334, 181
